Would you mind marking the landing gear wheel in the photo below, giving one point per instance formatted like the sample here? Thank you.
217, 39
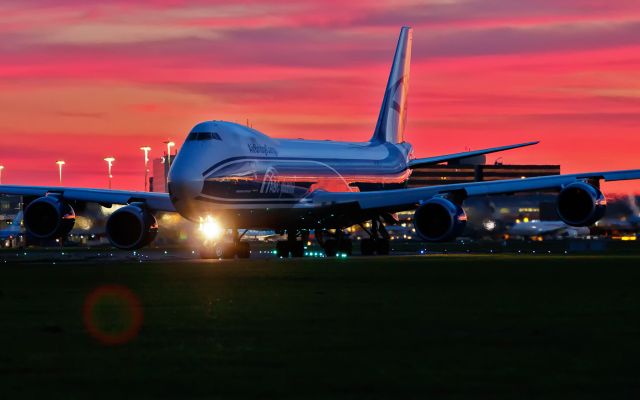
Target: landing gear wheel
382, 247
297, 249
330, 247
282, 249
243, 250
367, 247
225, 250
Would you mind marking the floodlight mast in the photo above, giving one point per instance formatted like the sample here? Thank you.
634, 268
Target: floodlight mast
169, 144
146, 150
110, 161
60, 163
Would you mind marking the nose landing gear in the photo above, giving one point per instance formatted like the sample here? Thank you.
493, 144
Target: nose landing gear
223, 249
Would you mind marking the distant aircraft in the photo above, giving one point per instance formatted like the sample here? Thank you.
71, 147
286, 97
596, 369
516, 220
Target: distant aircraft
239, 178
12, 231
263, 235
548, 228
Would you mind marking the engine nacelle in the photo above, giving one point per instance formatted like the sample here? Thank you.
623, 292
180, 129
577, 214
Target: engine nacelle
439, 220
49, 217
580, 204
131, 227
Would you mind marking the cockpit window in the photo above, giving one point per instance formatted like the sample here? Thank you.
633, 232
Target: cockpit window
204, 136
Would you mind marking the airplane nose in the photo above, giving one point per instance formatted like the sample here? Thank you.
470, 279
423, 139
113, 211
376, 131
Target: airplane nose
184, 186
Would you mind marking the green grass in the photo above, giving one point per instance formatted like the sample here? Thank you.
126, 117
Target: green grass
397, 327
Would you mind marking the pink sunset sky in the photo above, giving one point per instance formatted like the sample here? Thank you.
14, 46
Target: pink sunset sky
81, 81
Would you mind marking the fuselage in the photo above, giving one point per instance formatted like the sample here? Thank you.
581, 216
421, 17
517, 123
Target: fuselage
229, 170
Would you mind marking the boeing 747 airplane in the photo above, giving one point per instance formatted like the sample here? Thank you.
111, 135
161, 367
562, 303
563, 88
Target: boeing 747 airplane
244, 179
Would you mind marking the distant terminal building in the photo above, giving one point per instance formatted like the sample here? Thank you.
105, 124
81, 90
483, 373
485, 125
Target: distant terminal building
9, 204
508, 209
158, 183
465, 173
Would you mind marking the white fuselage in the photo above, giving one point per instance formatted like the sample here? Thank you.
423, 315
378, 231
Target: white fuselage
225, 169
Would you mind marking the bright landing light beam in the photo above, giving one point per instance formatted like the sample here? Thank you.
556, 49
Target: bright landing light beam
210, 227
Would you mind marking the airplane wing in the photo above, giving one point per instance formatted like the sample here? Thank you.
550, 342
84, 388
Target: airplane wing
388, 200
407, 199
155, 201
420, 162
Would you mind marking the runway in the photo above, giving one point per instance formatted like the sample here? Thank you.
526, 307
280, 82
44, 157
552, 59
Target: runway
451, 326
265, 250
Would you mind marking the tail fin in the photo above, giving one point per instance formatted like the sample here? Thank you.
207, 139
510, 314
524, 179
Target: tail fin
393, 113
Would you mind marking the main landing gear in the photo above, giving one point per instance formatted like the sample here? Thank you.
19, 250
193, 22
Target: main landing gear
226, 250
292, 246
334, 243
378, 240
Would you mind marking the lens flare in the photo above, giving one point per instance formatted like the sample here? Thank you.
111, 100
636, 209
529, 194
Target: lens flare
210, 228
112, 314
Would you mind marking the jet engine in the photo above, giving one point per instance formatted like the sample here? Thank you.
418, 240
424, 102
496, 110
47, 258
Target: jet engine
439, 220
131, 227
49, 217
580, 204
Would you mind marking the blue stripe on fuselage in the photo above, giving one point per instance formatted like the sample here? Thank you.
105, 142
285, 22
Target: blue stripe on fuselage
395, 156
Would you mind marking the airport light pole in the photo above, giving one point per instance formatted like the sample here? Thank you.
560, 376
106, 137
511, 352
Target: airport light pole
168, 166
146, 150
60, 164
169, 144
1, 168
110, 161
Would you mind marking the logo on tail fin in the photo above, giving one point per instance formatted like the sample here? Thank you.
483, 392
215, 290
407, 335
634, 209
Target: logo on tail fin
390, 126
399, 104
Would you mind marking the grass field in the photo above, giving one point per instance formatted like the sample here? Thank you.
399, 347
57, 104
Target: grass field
396, 327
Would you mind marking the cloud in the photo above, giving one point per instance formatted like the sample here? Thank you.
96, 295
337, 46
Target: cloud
77, 114
83, 76
99, 33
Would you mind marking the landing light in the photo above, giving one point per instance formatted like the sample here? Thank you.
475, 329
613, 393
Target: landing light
210, 227
489, 225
